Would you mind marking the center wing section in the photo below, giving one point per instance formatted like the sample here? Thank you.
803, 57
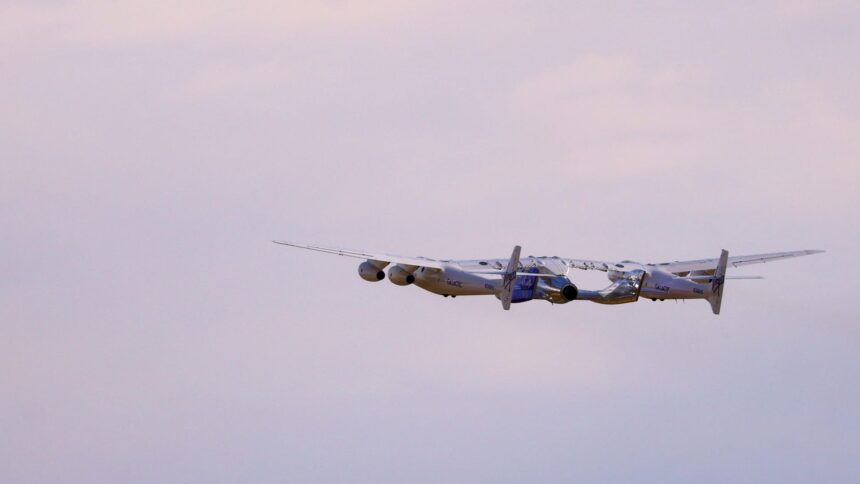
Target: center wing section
547, 266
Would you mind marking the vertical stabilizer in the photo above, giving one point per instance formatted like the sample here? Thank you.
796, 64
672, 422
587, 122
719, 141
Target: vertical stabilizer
507, 289
717, 283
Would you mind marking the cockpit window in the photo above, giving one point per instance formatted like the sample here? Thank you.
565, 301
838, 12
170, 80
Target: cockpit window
482, 263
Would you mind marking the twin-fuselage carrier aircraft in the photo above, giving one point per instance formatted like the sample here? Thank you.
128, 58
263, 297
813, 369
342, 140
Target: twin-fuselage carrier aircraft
518, 280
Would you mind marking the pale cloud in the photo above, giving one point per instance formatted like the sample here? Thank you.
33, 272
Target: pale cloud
235, 77
804, 10
594, 72
105, 23
672, 115
580, 107
608, 93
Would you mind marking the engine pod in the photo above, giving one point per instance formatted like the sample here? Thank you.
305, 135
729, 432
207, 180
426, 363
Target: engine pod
400, 276
557, 290
371, 271
569, 292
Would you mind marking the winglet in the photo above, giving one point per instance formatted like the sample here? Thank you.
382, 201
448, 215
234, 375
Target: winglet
716, 296
507, 289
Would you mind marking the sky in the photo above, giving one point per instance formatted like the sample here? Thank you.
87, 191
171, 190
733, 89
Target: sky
150, 152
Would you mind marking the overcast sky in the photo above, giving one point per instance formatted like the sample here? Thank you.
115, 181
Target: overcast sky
151, 332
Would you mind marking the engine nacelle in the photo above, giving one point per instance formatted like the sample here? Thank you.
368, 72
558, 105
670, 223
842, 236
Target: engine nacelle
557, 290
400, 275
371, 271
570, 291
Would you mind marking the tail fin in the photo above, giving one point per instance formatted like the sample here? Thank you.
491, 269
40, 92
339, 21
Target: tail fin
507, 289
716, 297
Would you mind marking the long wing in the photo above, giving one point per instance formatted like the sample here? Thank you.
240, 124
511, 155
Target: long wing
396, 259
487, 266
682, 267
409, 261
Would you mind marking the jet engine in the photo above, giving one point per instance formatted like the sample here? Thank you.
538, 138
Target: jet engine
400, 275
557, 290
371, 271
569, 292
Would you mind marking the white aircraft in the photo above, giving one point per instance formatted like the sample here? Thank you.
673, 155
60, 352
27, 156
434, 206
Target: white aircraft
518, 280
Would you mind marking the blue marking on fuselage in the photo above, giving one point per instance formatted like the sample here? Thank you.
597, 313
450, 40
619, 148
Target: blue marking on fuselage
524, 287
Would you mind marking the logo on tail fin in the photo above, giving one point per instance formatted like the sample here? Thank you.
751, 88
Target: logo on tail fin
717, 283
716, 296
507, 280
